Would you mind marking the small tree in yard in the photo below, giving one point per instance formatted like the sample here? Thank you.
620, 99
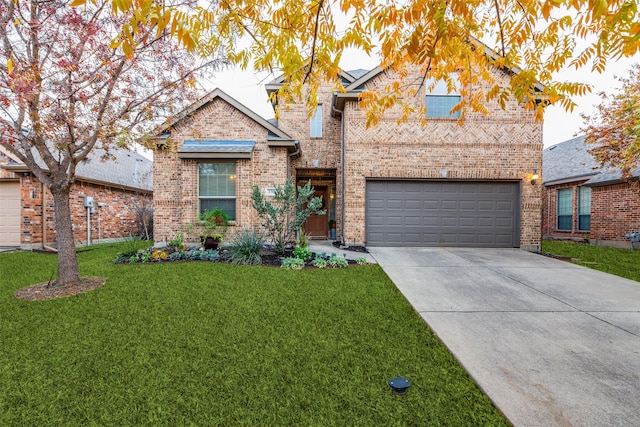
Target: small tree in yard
67, 87
283, 214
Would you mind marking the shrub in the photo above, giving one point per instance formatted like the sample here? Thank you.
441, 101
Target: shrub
303, 253
245, 247
292, 263
320, 263
361, 260
284, 213
336, 261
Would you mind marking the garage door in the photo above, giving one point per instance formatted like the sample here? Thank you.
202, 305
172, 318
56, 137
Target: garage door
429, 213
9, 213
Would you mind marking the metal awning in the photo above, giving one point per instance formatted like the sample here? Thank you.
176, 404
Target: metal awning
216, 149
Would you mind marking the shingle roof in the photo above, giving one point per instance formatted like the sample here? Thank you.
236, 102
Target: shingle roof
117, 167
567, 161
570, 161
124, 167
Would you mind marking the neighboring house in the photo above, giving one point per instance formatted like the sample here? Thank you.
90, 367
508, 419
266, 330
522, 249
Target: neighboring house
404, 185
584, 202
121, 189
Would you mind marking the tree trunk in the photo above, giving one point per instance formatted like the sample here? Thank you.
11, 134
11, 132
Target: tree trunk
68, 272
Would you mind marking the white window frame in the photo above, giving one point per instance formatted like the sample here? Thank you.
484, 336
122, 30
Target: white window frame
440, 92
232, 213
315, 123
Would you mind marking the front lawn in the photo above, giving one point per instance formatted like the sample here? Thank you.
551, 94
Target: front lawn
210, 344
621, 262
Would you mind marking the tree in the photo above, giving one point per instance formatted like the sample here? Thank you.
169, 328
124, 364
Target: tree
66, 87
615, 128
302, 39
286, 212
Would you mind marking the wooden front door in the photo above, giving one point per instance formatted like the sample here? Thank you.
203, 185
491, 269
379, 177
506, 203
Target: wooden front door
316, 226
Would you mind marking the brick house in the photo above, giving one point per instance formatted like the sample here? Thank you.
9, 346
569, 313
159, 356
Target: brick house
581, 201
393, 184
121, 188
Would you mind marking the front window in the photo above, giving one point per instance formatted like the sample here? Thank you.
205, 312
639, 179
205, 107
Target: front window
439, 101
565, 207
584, 208
316, 123
217, 187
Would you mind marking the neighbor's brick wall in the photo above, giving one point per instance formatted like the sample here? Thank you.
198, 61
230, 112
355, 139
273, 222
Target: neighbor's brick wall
175, 197
615, 211
504, 145
117, 218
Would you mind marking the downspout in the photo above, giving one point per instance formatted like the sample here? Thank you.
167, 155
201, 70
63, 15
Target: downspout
342, 155
292, 155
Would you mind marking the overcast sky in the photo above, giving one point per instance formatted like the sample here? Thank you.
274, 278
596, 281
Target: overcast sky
248, 88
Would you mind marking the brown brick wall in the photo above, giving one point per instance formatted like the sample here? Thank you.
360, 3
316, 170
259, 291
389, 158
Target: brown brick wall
115, 220
176, 180
615, 211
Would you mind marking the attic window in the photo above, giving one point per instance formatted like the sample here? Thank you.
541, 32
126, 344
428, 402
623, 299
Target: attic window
440, 101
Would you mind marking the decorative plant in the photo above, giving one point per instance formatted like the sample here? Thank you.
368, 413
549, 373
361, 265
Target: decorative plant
336, 261
246, 246
213, 223
361, 260
319, 262
285, 212
292, 263
303, 253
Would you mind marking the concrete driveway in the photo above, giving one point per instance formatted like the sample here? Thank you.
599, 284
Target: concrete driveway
551, 343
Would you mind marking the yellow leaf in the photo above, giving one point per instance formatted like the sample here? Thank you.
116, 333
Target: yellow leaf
10, 65
77, 3
126, 48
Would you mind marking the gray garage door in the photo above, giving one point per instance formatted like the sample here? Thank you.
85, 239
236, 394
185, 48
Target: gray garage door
430, 213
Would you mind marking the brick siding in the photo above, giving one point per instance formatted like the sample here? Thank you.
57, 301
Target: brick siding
115, 220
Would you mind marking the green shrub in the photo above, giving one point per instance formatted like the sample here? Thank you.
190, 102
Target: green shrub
285, 212
319, 262
336, 261
361, 260
292, 263
245, 247
303, 253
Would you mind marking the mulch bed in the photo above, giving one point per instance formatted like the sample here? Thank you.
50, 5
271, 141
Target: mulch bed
47, 291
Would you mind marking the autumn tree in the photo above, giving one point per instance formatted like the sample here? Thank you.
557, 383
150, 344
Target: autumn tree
67, 85
615, 128
305, 40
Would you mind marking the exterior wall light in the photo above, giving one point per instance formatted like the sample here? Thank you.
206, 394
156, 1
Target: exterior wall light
534, 177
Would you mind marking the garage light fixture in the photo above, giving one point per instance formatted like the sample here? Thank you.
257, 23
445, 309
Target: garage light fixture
534, 177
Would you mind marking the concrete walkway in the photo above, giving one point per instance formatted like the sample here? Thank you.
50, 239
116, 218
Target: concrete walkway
551, 343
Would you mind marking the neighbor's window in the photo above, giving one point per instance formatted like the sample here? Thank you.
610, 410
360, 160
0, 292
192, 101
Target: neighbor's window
316, 123
217, 187
439, 102
584, 208
565, 207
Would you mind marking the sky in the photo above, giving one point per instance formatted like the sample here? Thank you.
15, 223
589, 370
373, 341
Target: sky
559, 125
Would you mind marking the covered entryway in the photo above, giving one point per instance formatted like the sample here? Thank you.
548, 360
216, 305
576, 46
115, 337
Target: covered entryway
324, 183
443, 213
9, 213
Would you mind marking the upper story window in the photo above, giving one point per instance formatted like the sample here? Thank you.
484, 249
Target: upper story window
565, 209
584, 208
316, 123
439, 101
217, 187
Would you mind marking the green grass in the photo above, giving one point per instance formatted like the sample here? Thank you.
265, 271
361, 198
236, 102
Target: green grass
621, 262
209, 344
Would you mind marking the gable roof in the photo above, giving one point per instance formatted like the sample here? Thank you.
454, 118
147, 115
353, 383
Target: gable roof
275, 136
124, 168
570, 161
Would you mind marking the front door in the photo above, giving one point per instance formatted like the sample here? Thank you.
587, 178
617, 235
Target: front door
316, 226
